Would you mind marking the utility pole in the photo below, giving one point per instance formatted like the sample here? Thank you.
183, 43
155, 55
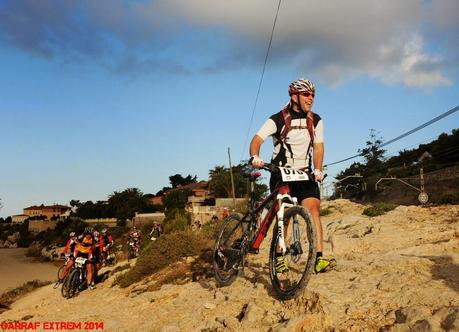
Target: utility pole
232, 180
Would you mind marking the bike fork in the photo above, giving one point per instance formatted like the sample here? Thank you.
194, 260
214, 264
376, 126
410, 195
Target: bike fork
296, 246
280, 223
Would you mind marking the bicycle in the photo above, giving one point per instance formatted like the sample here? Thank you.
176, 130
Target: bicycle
76, 281
294, 236
60, 271
61, 268
108, 259
133, 249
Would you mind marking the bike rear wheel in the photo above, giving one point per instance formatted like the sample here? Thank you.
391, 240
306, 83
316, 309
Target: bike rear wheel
227, 256
300, 241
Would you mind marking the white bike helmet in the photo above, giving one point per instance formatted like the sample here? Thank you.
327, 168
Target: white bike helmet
301, 85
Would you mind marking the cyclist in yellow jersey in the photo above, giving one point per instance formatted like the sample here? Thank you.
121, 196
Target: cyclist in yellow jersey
84, 249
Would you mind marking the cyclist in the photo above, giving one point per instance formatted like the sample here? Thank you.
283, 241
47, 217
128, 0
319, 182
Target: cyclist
84, 249
297, 132
136, 236
106, 242
158, 228
68, 250
96, 254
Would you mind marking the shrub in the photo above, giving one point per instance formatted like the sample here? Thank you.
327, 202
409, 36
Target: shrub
117, 232
211, 229
325, 211
10, 296
449, 198
146, 229
34, 250
378, 209
177, 220
167, 249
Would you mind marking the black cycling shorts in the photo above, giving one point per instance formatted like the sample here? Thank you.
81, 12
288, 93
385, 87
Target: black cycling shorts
96, 257
300, 189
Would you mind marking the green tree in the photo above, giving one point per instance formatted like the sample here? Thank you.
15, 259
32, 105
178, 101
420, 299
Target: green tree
176, 199
124, 204
90, 210
178, 180
220, 182
373, 154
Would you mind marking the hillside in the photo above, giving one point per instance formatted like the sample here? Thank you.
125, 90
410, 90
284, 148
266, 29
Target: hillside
397, 272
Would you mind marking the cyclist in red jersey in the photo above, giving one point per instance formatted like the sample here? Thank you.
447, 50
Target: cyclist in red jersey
106, 242
68, 250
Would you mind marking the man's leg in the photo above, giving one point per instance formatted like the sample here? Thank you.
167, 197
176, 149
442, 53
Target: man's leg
313, 206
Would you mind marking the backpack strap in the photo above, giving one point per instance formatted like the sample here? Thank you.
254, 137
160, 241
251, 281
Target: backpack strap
288, 124
310, 125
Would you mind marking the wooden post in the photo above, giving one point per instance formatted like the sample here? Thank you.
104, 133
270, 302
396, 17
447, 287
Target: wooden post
232, 179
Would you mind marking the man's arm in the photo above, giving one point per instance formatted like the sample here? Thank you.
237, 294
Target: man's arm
255, 145
318, 156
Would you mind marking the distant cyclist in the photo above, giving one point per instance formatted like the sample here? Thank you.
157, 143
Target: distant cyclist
96, 254
156, 231
136, 236
298, 143
68, 251
106, 242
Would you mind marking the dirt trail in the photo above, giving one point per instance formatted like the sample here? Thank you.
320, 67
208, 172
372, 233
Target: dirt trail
397, 272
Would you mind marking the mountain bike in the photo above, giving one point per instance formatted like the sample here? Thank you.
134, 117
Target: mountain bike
60, 272
61, 268
293, 237
133, 248
108, 259
76, 281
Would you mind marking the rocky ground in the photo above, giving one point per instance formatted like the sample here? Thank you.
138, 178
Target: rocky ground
397, 272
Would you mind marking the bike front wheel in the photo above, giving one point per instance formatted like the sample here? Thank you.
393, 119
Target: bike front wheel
112, 260
227, 256
291, 271
60, 272
72, 284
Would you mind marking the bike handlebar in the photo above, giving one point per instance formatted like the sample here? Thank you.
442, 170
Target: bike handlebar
272, 168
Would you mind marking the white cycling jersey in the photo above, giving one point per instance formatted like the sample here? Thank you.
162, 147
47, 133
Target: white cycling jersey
296, 152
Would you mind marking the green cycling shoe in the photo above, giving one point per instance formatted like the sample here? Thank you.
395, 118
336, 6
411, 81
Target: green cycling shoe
324, 265
281, 265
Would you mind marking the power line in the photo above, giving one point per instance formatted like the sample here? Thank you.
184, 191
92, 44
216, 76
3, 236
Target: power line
261, 78
438, 155
441, 116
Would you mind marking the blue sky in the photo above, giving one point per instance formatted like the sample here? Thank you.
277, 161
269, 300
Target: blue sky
99, 96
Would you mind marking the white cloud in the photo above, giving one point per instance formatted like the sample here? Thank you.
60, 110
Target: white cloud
397, 42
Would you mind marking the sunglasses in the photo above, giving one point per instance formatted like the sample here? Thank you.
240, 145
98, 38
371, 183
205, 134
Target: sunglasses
307, 94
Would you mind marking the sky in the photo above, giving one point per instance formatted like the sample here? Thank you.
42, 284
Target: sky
100, 96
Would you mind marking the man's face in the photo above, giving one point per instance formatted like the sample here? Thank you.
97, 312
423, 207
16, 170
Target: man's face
306, 100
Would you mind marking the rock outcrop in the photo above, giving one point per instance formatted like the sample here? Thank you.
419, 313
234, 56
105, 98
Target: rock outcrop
396, 272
